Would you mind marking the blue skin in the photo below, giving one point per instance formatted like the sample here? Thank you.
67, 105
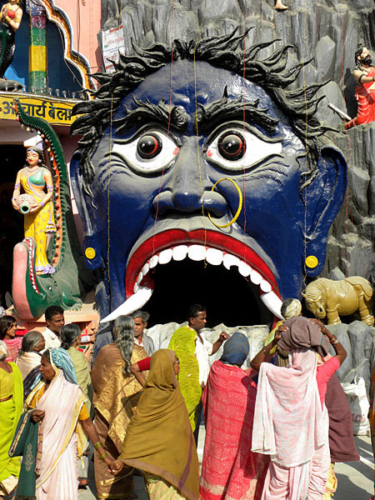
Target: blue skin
274, 211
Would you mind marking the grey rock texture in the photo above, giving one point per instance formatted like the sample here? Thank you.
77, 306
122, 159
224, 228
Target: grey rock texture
358, 340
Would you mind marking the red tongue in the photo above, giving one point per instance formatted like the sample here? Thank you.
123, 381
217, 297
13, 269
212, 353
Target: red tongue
148, 282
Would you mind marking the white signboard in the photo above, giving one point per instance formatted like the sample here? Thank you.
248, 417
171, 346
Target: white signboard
113, 45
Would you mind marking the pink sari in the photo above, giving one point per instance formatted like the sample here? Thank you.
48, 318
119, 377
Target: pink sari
13, 345
230, 470
58, 442
291, 427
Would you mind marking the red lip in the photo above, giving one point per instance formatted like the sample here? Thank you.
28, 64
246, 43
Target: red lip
173, 237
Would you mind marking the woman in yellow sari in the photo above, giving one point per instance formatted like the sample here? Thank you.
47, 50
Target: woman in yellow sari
117, 395
39, 220
11, 403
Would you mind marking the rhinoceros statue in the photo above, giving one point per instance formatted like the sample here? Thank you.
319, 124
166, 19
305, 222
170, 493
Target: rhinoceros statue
329, 299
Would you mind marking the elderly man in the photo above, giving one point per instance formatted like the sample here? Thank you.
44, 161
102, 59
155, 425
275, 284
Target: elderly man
140, 324
364, 74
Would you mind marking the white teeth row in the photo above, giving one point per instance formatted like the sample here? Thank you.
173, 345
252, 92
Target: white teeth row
198, 253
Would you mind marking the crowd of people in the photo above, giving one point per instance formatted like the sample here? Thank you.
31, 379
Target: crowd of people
141, 411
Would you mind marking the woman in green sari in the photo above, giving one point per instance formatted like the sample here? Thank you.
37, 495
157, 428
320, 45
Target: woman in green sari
11, 403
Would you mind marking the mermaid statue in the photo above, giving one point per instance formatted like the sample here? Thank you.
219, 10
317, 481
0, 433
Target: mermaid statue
10, 20
36, 206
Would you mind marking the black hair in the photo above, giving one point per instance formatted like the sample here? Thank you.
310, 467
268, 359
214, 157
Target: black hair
125, 340
53, 311
270, 73
5, 323
195, 309
68, 335
357, 53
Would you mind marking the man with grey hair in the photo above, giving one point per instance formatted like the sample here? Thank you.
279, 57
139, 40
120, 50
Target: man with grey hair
140, 319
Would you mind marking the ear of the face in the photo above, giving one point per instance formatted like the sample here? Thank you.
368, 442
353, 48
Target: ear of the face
93, 257
324, 197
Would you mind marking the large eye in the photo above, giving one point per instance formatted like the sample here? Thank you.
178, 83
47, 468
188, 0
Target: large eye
150, 152
232, 145
149, 146
234, 149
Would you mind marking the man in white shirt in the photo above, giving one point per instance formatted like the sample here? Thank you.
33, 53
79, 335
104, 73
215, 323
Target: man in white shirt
203, 348
55, 321
140, 319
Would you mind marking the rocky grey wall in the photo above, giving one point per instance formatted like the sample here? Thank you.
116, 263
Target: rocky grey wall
326, 32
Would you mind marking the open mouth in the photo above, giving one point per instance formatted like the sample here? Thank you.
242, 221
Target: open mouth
185, 267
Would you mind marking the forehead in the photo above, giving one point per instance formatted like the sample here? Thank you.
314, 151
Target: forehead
198, 83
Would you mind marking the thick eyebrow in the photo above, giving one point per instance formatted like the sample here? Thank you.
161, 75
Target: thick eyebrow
235, 109
174, 116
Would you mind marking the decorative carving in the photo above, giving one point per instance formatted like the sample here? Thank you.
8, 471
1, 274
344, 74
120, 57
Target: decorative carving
364, 74
134, 208
10, 20
32, 293
330, 299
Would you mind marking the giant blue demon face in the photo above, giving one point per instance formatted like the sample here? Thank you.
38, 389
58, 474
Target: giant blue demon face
152, 193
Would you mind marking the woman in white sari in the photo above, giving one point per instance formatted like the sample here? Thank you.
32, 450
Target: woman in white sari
60, 407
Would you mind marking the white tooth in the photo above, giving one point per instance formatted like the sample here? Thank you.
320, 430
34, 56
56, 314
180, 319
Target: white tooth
165, 256
145, 269
214, 256
230, 260
136, 288
180, 252
140, 277
197, 252
255, 277
273, 303
265, 286
154, 261
244, 269
135, 302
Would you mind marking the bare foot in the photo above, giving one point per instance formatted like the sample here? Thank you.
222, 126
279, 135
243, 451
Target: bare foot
280, 6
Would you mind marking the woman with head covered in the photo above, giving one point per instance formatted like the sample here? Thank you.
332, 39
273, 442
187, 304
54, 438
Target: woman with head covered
159, 439
58, 403
229, 470
290, 399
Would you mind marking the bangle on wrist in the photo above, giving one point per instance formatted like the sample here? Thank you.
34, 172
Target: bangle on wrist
98, 445
105, 455
265, 352
334, 340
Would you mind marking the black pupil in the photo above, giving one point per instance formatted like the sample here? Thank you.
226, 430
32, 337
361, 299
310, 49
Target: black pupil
149, 146
232, 146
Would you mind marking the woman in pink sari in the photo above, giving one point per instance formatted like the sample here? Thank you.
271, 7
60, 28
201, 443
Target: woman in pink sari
230, 471
8, 328
291, 420
60, 407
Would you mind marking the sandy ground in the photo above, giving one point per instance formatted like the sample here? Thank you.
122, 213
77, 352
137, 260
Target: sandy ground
355, 480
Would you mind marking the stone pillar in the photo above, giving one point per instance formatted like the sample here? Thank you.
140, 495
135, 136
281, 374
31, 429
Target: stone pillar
38, 79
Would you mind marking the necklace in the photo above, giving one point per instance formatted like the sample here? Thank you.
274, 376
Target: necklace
33, 169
